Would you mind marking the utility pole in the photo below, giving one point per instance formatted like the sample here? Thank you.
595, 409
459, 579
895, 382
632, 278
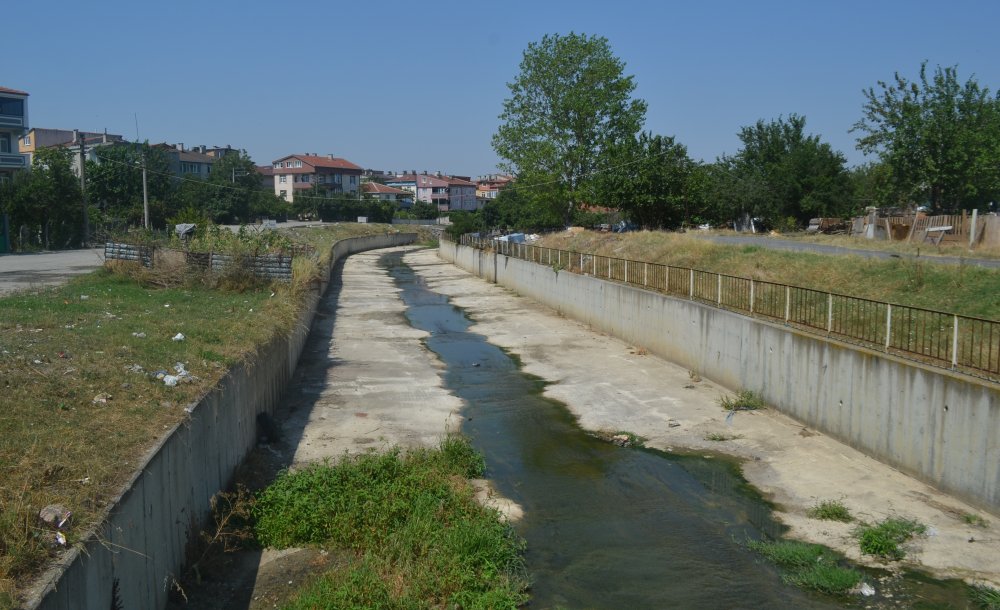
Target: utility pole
83, 191
145, 193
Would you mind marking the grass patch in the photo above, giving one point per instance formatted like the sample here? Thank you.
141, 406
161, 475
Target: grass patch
744, 400
416, 535
885, 537
719, 437
830, 510
80, 403
810, 566
975, 520
985, 597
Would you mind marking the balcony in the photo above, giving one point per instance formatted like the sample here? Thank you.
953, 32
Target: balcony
12, 120
13, 161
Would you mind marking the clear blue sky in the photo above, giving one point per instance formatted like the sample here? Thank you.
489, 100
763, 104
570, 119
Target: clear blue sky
419, 85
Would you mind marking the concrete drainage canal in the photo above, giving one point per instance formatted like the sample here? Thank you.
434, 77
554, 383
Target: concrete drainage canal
614, 527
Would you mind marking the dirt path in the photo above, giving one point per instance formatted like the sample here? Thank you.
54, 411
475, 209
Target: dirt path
611, 385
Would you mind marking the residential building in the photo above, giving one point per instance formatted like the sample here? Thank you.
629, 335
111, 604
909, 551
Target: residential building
333, 175
266, 173
38, 138
375, 190
13, 124
446, 192
185, 163
488, 186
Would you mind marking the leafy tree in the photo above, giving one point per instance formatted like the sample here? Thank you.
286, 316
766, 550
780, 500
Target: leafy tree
235, 191
45, 205
649, 181
784, 176
517, 208
569, 105
423, 209
114, 184
939, 138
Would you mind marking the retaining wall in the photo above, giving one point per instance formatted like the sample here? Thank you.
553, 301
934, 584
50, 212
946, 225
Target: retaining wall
141, 544
939, 426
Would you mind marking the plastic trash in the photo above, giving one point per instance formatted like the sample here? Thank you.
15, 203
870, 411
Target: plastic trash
867, 590
179, 337
139, 335
170, 380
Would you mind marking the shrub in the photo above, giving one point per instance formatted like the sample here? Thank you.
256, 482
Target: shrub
744, 400
830, 510
883, 539
810, 566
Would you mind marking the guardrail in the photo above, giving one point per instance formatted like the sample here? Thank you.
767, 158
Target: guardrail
936, 337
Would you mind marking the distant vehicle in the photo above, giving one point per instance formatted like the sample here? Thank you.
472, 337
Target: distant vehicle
623, 226
514, 238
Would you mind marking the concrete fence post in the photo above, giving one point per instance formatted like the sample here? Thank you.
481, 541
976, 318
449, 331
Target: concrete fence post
645, 274
888, 325
666, 280
788, 304
751, 296
954, 343
691, 284
718, 289
609, 268
626, 271
829, 312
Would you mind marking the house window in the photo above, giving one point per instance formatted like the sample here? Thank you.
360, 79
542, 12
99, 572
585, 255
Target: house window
283, 179
27, 140
4, 143
298, 164
354, 179
337, 178
305, 178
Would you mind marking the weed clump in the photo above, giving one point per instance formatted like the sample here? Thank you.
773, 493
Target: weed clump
810, 566
985, 596
744, 400
415, 535
830, 510
885, 537
719, 437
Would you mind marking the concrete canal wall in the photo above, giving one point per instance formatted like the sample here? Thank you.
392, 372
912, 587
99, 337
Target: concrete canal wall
936, 425
141, 545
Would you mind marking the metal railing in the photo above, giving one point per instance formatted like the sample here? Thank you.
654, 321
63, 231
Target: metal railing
936, 337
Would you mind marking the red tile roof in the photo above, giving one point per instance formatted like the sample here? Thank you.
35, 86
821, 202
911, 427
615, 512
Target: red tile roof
317, 161
265, 170
375, 187
14, 91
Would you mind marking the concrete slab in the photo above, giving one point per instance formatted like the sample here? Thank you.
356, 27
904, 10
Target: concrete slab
27, 271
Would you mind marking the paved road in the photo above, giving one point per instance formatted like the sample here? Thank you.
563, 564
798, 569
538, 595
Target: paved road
799, 246
21, 271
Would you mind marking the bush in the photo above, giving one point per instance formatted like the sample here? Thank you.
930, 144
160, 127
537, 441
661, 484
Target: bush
883, 539
830, 510
744, 400
810, 566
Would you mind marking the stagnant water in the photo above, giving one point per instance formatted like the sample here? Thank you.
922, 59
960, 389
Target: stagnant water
611, 527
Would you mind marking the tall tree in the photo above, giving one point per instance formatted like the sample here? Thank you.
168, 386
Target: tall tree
568, 106
45, 204
785, 176
939, 138
114, 184
648, 181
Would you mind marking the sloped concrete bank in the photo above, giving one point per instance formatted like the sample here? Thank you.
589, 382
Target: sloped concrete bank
134, 555
941, 427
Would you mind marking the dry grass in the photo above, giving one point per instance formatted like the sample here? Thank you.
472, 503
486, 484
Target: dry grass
76, 420
961, 289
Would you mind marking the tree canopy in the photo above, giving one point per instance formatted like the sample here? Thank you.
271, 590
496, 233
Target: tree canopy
938, 138
784, 176
570, 104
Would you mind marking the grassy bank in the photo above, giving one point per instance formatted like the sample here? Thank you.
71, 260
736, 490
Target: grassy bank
78, 378
962, 289
411, 532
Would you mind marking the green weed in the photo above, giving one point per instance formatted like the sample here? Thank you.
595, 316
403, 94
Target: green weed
810, 566
830, 510
884, 538
717, 436
419, 537
975, 520
985, 596
744, 400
